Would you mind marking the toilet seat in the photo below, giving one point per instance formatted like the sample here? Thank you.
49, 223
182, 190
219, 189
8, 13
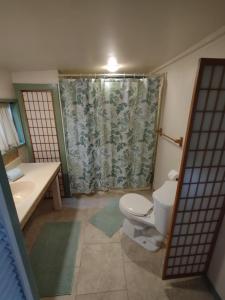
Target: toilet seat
135, 204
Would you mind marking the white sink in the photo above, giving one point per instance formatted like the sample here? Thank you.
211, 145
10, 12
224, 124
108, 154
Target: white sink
22, 189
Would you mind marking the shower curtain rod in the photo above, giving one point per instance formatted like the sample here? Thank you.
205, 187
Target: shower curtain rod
106, 75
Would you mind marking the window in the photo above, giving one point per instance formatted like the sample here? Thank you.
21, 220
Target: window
11, 133
14, 108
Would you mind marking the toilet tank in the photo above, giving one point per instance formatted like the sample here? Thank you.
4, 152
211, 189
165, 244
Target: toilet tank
164, 199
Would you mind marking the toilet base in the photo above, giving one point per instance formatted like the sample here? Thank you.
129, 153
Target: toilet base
144, 235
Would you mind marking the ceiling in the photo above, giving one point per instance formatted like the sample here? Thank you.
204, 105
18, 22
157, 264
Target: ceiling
79, 35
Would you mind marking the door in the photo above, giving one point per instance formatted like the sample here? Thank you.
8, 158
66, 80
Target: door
199, 205
43, 128
16, 279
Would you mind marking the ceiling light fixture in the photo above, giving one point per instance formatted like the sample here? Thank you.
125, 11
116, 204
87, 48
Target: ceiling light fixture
112, 65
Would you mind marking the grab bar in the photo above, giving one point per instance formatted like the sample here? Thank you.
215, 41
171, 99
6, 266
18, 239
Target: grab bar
177, 141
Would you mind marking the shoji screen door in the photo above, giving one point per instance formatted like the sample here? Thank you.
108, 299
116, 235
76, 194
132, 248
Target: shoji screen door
42, 127
200, 199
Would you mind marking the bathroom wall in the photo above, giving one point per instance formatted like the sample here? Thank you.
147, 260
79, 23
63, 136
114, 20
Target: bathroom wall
180, 82
216, 271
175, 108
6, 86
38, 77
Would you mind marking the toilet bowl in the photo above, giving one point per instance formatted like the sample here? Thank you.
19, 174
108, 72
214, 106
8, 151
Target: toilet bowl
145, 222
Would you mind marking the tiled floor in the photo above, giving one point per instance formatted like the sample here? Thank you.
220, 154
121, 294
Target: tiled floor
113, 268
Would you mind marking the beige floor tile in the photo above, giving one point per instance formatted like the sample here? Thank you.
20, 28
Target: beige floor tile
184, 294
101, 269
142, 284
134, 252
120, 295
94, 235
101, 261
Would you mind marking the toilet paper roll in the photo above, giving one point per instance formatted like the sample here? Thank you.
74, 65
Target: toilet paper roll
173, 175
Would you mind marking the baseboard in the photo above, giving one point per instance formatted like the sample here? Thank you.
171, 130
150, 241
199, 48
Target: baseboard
116, 190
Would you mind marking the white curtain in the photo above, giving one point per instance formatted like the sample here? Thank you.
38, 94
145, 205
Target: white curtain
8, 135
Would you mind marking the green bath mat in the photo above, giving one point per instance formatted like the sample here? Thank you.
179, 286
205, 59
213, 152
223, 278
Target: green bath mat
109, 219
53, 258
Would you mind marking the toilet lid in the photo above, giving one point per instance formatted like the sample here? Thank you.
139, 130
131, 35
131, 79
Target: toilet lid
135, 204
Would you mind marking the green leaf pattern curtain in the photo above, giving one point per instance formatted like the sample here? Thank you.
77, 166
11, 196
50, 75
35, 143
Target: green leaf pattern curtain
110, 131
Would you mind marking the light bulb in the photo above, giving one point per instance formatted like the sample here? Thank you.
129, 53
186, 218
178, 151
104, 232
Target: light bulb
112, 65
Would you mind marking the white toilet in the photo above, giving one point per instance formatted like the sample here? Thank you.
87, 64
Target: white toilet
147, 223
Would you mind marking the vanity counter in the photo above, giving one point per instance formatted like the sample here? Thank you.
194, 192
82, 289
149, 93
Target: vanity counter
30, 189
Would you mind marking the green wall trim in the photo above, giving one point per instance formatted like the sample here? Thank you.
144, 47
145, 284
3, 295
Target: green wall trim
19, 87
19, 97
10, 205
3, 100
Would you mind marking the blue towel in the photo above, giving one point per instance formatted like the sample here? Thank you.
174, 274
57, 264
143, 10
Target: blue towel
14, 174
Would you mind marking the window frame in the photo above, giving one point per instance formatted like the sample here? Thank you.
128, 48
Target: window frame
16, 115
15, 111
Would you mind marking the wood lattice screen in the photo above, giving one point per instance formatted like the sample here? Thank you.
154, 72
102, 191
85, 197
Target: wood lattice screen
42, 128
200, 199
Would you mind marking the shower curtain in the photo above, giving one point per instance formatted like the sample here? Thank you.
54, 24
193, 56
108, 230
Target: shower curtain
109, 127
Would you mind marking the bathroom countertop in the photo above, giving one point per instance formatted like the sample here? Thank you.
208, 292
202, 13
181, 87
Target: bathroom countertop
30, 189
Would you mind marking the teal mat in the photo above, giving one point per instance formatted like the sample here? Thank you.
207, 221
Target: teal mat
53, 258
109, 219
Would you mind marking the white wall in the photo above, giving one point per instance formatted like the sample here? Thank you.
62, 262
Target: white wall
6, 87
7, 79
180, 82
216, 271
38, 77
175, 109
